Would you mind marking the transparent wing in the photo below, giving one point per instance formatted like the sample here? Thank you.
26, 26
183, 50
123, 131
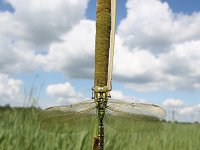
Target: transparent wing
71, 118
133, 117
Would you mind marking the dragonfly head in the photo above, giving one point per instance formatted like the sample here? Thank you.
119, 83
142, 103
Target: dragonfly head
100, 92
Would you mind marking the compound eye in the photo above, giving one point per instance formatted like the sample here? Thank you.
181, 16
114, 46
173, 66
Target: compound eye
105, 89
98, 89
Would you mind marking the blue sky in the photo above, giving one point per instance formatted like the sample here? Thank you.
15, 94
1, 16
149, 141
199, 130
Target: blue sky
49, 47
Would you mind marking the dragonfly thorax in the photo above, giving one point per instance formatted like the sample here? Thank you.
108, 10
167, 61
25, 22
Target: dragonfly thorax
101, 99
100, 92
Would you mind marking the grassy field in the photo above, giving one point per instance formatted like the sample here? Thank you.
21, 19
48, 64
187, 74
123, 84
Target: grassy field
20, 130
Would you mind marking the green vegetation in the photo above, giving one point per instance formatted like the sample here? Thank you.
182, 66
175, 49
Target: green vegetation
20, 130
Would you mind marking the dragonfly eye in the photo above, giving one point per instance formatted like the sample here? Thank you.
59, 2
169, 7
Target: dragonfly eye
97, 89
100, 89
105, 89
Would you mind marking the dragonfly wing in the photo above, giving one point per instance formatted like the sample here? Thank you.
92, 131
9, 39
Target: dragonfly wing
70, 118
133, 117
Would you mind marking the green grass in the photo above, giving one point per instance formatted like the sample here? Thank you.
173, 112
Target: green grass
20, 130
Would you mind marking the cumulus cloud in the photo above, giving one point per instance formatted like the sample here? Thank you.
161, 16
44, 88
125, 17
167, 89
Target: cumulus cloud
10, 91
177, 69
157, 52
64, 93
190, 109
116, 94
12, 59
190, 113
32, 28
177, 109
187, 110
44, 21
173, 102
152, 25
75, 55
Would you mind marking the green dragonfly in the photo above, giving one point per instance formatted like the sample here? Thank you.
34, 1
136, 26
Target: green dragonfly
120, 115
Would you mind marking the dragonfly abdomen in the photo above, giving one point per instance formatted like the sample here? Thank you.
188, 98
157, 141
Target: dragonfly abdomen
101, 136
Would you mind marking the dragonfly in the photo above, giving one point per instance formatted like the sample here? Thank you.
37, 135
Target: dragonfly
121, 115
102, 109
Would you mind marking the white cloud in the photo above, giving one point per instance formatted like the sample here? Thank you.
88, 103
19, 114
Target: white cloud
143, 87
157, 28
173, 102
157, 52
187, 110
75, 55
180, 111
141, 70
32, 28
12, 59
197, 107
64, 93
180, 66
44, 21
190, 113
190, 109
10, 91
116, 94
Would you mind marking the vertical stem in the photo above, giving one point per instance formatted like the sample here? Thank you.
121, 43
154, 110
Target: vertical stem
102, 45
